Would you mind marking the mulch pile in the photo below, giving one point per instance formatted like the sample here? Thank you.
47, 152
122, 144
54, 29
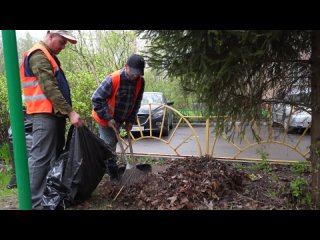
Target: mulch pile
204, 184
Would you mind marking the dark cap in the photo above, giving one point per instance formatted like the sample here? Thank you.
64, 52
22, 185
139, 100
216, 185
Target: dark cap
136, 64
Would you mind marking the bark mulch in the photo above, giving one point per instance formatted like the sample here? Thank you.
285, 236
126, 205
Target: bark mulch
207, 184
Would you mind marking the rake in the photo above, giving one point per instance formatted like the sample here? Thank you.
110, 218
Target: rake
132, 173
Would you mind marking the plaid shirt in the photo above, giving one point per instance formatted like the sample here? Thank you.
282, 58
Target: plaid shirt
124, 99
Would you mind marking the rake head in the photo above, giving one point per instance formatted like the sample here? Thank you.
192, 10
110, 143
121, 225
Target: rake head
133, 174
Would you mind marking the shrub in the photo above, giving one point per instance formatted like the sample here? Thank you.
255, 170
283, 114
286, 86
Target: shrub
4, 111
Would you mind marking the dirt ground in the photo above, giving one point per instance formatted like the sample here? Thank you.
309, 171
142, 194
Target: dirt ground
202, 184
208, 184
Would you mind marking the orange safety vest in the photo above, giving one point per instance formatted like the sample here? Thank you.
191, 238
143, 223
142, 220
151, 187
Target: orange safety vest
35, 99
111, 102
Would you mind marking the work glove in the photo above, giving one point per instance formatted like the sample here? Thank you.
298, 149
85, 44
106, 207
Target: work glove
112, 123
128, 126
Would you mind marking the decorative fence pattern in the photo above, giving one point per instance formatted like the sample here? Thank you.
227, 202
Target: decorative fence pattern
189, 138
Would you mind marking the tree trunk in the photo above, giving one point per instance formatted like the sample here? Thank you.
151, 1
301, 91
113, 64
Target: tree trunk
315, 126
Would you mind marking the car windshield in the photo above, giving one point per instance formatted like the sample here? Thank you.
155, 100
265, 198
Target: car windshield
299, 96
152, 98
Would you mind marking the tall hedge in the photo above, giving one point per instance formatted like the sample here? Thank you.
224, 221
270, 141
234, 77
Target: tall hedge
4, 111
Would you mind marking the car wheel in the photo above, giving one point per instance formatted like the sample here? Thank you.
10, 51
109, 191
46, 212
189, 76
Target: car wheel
275, 124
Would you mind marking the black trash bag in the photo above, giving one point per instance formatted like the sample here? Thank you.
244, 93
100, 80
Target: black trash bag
55, 192
78, 171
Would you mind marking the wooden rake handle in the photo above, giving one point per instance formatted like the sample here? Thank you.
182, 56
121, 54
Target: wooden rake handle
121, 145
130, 145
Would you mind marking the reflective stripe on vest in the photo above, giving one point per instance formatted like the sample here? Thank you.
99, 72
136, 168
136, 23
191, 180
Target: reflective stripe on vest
29, 84
111, 102
36, 101
35, 97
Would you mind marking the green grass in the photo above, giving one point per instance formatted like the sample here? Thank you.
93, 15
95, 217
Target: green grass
301, 167
5, 177
8, 197
151, 160
239, 166
263, 164
4, 154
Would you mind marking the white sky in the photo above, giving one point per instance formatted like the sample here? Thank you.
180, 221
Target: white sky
38, 34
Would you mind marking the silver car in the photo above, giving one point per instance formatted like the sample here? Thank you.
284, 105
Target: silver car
293, 117
299, 118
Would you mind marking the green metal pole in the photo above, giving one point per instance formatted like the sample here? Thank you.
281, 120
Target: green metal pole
16, 117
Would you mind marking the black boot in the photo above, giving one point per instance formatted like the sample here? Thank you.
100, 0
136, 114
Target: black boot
13, 182
121, 170
112, 169
113, 173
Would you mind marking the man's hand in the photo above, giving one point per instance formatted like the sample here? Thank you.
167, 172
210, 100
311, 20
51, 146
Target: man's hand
75, 119
112, 123
128, 126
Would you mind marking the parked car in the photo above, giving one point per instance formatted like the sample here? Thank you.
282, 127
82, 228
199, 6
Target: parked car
300, 116
157, 100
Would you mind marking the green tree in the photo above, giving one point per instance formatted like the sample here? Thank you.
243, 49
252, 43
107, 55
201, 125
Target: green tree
24, 43
87, 63
234, 73
1, 56
159, 82
98, 52
4, 111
